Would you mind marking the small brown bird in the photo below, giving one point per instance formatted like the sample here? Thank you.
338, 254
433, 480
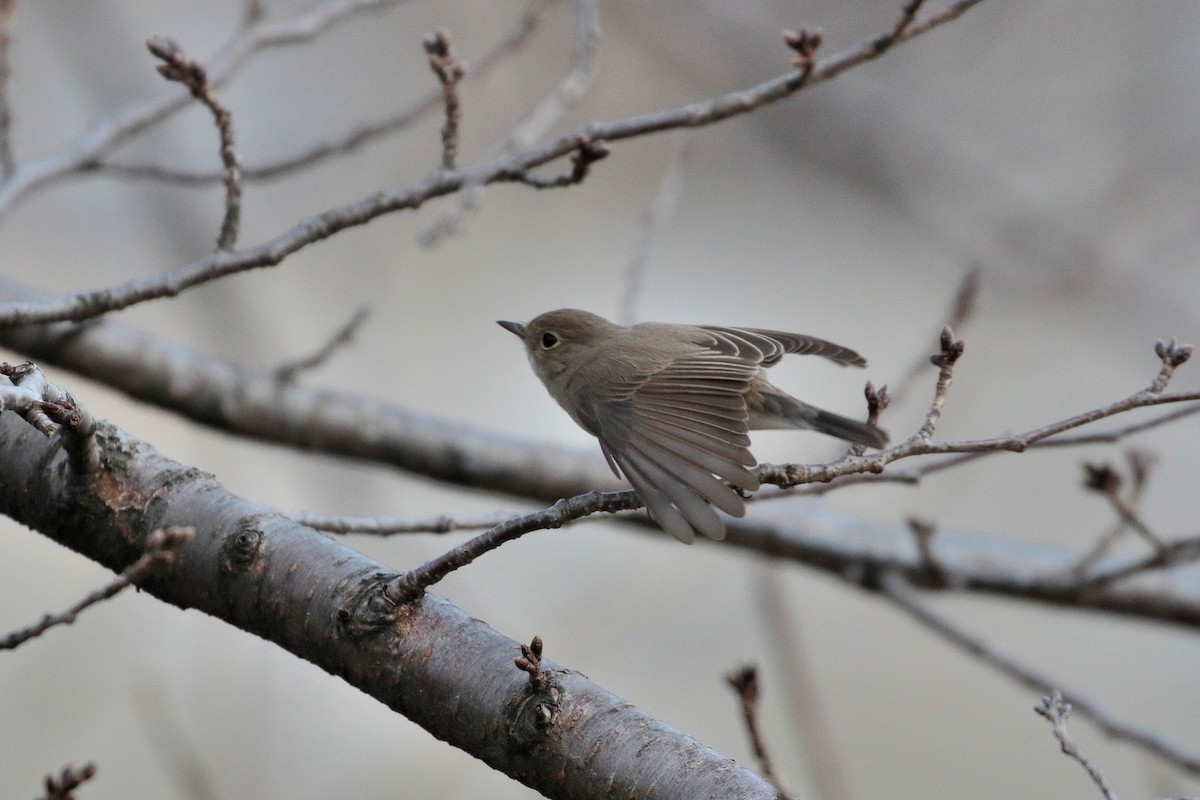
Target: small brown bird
672, 405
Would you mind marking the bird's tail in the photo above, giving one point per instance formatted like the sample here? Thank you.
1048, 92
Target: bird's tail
850, 430
784, 411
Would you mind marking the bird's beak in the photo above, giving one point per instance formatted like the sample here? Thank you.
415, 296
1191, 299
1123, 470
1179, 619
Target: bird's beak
512, 327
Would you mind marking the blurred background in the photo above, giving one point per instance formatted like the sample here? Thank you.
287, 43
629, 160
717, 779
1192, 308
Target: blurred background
1054, 145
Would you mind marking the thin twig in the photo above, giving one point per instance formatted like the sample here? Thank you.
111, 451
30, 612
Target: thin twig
343, 336
666, 199
87, 304
412, 584
106, 133
1140, 464
543, 117
1054, 709
161, 546
178, 67
69, 779
449, 71
893, 586
6, 155
809, 720
962, 309
745, 682
391, 526
351, 140
1104, 479
951, 350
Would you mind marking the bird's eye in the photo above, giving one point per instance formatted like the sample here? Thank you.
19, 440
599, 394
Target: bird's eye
549, 340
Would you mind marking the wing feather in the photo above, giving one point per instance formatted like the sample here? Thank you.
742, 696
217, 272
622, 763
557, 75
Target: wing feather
776, 344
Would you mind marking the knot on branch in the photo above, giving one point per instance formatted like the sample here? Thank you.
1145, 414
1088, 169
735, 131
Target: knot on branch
243, 547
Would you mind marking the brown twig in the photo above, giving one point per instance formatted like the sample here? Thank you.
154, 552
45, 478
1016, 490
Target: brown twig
343, 336
412, 584
809, 720
951, 350
161, 547
391, 526
536, 123
923, 533
352, 139
1105, 480
962, 309
745, 682
1140, 464
178, 67
6, 155
69, 779
105, 134
50, 409
894, 587
87, 304
587, 152
805, 43
1054, 709
449, 71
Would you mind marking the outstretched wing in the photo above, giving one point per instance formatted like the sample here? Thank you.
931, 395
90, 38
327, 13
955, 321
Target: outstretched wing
679, 433
776, 344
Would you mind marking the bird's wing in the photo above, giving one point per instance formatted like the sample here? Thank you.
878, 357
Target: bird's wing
776, 344
680, 432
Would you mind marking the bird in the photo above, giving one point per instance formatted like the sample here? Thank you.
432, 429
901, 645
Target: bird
672, 405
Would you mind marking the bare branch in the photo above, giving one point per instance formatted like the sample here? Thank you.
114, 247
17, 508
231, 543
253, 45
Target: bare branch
161, 546
951, 351
178, 67
343, 336
745, 683
1102, 478
353, 139
893, 586
1056, 711
87, 304
410, 586
449, 71
391, 526
588, 152
6, 156
69, 779
324, 602
809, 720
551, 109
108, 132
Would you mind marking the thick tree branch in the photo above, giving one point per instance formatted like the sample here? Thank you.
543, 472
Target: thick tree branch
311, 595
200, 387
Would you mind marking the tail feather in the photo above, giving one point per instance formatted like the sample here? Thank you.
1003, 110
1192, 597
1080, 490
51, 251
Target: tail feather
850, 430
779, 410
